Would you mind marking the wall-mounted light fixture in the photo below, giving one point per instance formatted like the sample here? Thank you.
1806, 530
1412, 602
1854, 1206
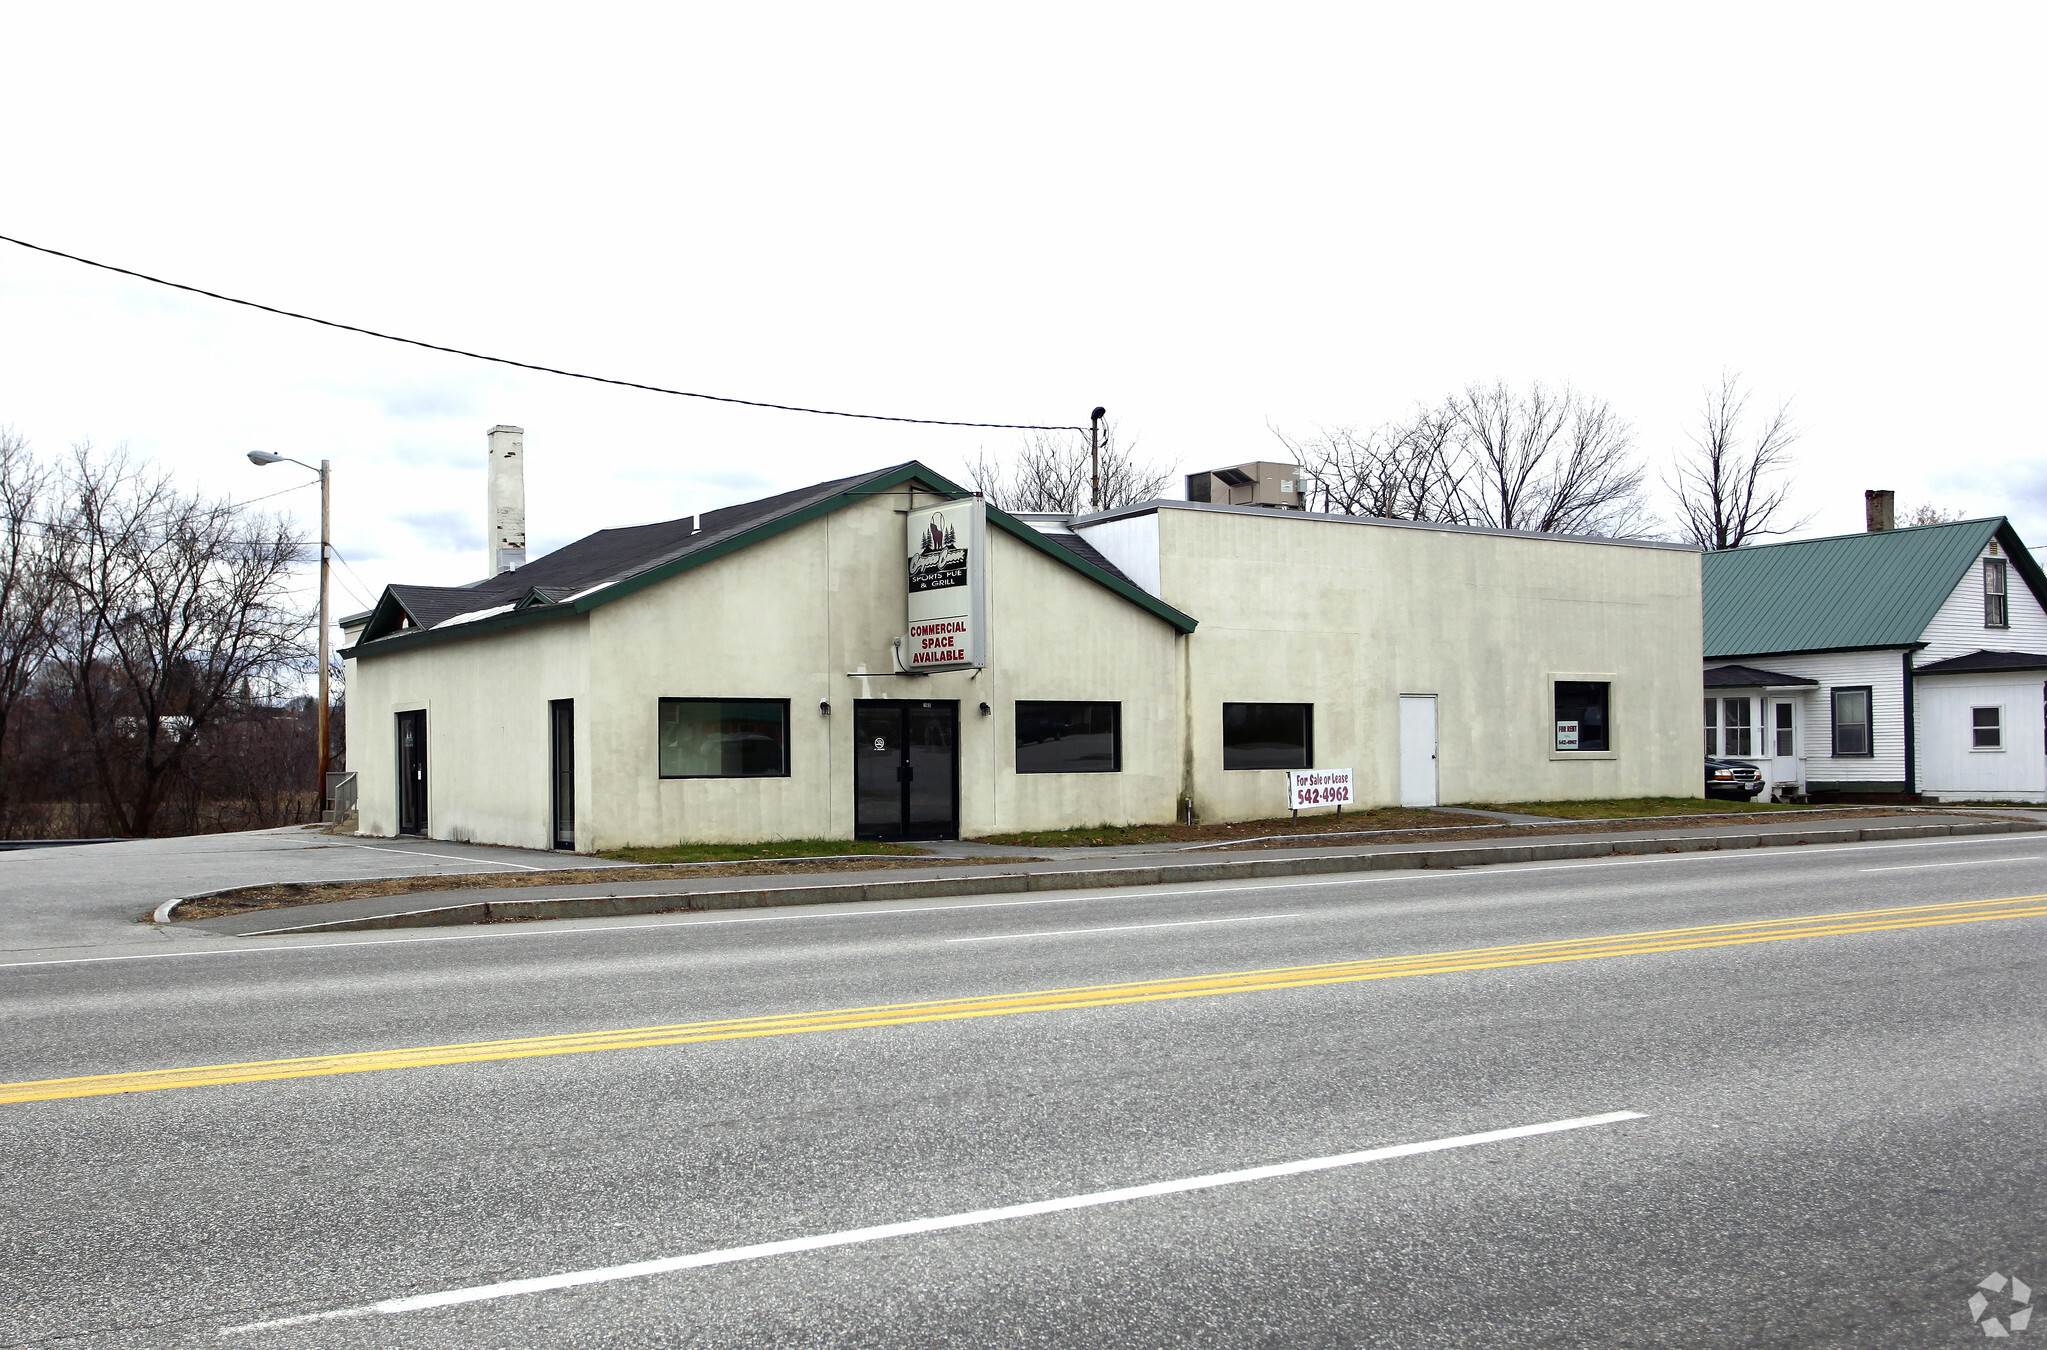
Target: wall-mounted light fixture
825, 708
985, 710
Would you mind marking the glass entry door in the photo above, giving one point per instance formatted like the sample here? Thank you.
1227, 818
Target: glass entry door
906, 769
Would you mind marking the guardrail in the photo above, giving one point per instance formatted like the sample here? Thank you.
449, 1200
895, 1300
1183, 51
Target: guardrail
9, 844
340, 795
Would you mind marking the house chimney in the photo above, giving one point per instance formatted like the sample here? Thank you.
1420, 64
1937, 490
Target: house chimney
505, 509
1880, 509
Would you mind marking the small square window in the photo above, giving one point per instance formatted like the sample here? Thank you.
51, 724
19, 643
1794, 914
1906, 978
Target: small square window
1581, 720
1268, 735
1988, 728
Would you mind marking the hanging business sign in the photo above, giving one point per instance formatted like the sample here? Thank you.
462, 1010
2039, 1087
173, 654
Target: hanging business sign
1317, 787
948, 587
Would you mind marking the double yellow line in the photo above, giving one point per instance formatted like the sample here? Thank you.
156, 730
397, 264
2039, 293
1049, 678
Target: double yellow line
1049, 1000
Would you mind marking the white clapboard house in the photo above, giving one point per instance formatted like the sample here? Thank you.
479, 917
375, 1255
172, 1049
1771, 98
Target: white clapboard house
1888, 663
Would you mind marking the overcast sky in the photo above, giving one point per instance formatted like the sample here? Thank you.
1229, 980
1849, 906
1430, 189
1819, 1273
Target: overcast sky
1212, 220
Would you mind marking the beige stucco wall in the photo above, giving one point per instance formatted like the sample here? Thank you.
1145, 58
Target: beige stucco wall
798, 615
487, 731
1349, 616
1346, 616
795, 617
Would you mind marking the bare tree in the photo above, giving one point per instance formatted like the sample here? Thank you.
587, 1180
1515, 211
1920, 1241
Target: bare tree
171, 612
1540, 459
1551, 460
1050, 472
27, 586
1733, 488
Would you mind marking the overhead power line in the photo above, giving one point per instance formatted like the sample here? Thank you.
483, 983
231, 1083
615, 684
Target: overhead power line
528, 365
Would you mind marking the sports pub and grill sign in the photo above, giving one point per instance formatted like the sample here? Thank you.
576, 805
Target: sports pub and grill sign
948, 587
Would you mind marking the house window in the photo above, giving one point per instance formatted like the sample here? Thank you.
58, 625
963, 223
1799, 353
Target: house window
1988, 724
1069, 737
1581, 721
724, 738
1851, 722
1740, 735
1995, 613
1268, 735
1784, 744
1712, 727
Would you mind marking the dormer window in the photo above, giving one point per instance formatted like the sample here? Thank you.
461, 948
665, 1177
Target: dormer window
1995, 612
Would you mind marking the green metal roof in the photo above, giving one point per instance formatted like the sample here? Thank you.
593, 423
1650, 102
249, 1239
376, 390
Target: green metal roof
1854, 590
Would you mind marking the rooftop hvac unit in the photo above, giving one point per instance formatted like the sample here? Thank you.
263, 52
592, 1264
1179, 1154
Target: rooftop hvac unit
1256, 484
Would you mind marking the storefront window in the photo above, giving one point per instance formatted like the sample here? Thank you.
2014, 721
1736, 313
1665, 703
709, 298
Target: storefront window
724, 738
1069, 737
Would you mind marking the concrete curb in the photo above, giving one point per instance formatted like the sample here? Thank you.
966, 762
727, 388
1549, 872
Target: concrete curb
1007, 883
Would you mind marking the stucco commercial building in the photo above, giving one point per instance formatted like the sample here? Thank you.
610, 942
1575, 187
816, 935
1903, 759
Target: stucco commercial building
883, 656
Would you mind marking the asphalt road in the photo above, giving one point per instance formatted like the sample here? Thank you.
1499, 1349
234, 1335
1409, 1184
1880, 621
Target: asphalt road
1840, 1121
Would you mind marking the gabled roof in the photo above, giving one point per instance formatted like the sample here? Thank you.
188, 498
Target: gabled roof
1851, 591
1984, 661
612, 564
1751, 677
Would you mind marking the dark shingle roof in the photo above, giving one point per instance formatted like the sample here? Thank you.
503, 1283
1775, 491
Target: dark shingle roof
1985, 660
614, 562
1749, 677
1854, 590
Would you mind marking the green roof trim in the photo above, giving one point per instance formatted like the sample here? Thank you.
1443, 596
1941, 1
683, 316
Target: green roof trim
1849, 592
911, 472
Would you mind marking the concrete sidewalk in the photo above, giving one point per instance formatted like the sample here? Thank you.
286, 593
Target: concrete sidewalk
1129, 868
98, 894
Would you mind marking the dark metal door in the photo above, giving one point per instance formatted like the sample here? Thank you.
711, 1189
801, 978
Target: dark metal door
412, 772
562, 775
905, 769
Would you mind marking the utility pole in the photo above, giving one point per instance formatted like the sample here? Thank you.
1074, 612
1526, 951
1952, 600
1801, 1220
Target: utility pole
262, 457
325, 550
1094, 451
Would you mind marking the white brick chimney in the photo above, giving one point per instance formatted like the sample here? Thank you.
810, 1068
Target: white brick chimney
505, 511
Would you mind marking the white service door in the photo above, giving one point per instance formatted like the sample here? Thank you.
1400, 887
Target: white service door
1417, 749
1781, 727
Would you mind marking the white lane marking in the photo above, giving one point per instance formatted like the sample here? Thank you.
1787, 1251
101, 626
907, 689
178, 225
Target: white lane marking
1970, 862
1121, 928
1122, 894
448, 1298
491, 864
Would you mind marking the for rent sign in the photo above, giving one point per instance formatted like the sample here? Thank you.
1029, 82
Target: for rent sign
947, 587
1317, 787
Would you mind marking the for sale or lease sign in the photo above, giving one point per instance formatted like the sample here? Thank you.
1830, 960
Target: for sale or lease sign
1317, 787
1567, 735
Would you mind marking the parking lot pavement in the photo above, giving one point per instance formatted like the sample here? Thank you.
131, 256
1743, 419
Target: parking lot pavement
98, 894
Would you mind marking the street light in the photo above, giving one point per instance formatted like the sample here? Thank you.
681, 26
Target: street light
263, 457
